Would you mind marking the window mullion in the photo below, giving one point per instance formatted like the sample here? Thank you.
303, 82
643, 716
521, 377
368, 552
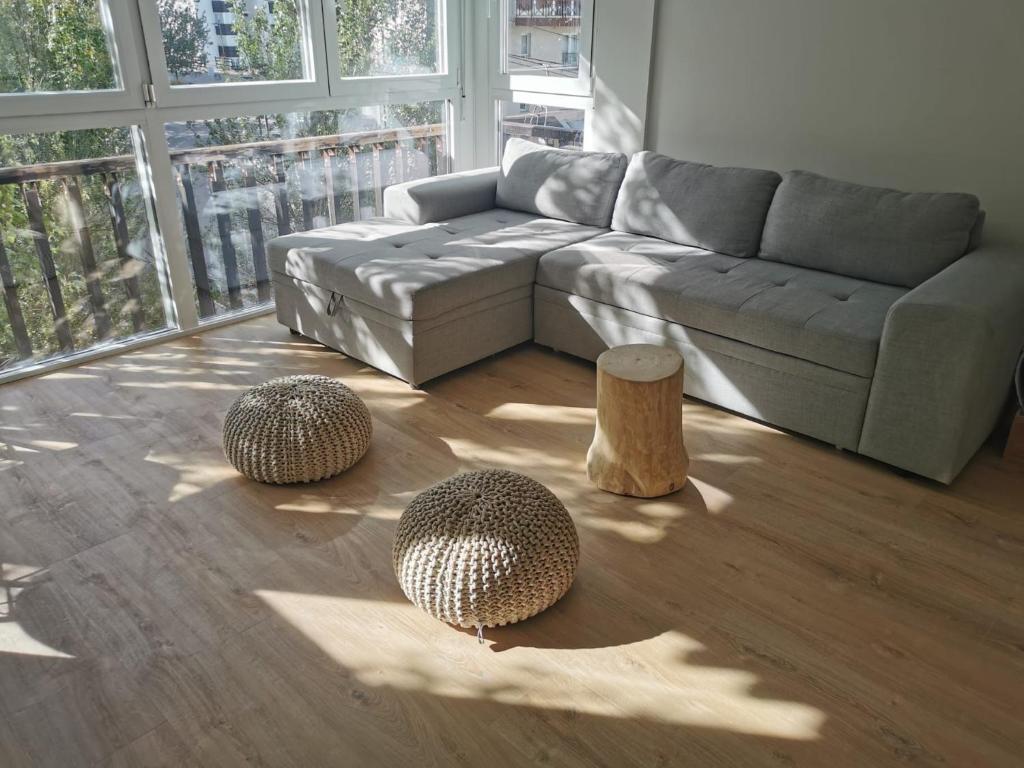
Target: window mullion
159, 180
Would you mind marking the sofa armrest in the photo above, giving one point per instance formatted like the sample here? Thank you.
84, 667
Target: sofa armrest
442, 197
945, 365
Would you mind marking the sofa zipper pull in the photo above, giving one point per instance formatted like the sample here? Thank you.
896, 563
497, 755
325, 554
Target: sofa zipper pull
333, 303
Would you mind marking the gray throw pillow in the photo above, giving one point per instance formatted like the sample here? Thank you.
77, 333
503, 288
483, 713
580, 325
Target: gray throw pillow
560, 183
873, 233
719, 209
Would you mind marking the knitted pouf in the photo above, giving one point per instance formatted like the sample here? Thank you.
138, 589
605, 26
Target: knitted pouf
484, 549
296, 429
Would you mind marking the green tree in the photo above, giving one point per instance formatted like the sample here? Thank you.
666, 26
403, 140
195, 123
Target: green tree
53, 45
185, 34
270, 47
387, 37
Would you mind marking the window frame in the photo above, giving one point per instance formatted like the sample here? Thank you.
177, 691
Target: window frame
375, 86
125, 57
502, 79
168, 95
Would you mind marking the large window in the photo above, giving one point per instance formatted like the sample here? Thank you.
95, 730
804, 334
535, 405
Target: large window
77, 262
129, 208
540, 75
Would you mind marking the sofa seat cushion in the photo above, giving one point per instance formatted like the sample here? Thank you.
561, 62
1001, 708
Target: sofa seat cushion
827, 319
721, 209
417, 272
900, 238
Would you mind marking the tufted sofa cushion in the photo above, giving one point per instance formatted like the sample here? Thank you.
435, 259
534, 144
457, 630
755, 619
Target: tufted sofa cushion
417, 272
900, 238
827, 319
561, 183
720, 209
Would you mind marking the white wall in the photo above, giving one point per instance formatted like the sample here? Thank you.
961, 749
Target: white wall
915, 94
622, 56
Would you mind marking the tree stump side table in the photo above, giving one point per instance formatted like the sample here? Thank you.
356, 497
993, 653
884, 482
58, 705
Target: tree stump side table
638, 445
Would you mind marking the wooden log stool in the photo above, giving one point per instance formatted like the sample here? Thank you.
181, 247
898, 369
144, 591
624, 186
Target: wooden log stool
638, 445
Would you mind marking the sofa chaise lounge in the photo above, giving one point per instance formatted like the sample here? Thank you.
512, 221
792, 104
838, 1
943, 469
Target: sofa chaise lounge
864, 317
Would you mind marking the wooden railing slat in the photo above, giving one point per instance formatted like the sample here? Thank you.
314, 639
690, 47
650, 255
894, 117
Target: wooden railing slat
305, 170
34, 209
329, 194
399, 163
284, 226
353, 166
378, 185
194, 236
22, 341
259, 252
115, 200
227, 246
86, 254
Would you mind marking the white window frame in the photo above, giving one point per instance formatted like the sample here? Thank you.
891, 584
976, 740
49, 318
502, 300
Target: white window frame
167, 95
449, 76
503, 80
125, 57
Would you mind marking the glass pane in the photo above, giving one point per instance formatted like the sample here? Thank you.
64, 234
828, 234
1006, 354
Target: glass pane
551, 126
245, 180
231, 41
380, 38
54, 45
543, 37
76, 259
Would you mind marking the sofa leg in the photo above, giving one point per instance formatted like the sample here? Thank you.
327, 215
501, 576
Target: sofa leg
293, 332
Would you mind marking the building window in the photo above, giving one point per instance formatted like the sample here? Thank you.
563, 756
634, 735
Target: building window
524, 44
219, 6
570, 50
224, 29
227, 51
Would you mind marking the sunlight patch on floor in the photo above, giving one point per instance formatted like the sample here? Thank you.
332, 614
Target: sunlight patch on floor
207, 386
715, 499
548, 414
53, 445
517, 459
439, 660
195, 473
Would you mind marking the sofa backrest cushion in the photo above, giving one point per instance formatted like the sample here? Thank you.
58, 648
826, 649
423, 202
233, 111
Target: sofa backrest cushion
872, 233
718, 209
560, 183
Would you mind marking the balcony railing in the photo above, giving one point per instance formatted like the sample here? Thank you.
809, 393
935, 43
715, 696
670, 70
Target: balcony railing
547, 12
232, 199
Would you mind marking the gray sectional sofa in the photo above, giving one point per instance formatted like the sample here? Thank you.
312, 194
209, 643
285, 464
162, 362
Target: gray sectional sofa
868, 318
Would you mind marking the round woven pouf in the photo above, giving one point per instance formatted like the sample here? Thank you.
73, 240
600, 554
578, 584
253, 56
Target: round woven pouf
484, 549
296, 429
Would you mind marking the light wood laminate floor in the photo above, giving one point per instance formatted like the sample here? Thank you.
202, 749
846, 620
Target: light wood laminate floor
792, 606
